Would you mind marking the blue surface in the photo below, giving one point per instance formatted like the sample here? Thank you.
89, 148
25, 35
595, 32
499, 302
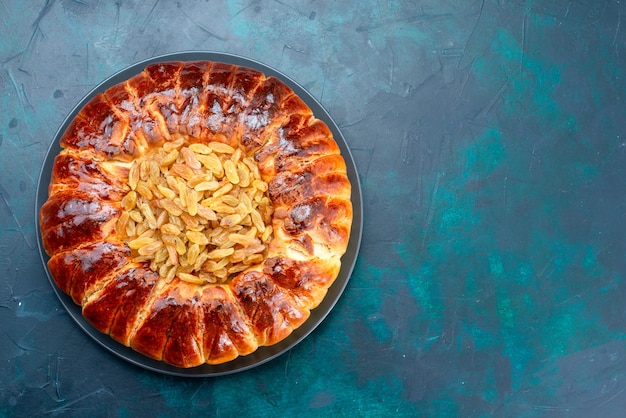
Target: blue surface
489, 137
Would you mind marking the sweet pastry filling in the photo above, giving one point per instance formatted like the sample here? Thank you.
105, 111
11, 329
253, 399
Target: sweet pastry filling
197, 211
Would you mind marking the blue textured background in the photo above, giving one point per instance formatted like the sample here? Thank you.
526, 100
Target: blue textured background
489, 139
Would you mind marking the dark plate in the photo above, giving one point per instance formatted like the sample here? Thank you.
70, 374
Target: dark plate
263, 354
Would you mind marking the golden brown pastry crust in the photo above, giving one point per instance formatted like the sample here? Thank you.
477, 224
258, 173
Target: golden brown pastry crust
180, 323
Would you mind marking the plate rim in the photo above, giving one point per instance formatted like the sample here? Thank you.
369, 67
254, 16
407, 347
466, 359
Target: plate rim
263, 354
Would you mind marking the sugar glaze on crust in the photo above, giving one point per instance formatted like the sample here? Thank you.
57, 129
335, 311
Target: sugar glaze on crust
181, 323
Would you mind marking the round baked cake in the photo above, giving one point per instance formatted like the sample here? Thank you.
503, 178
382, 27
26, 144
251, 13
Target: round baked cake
197, 211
